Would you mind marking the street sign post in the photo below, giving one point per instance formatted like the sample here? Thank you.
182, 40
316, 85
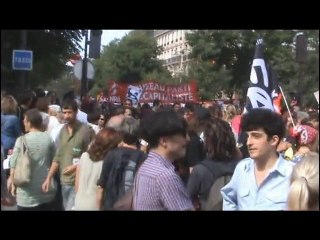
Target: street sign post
22, 60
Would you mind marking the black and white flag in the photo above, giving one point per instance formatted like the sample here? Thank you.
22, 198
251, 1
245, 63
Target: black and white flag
262, 84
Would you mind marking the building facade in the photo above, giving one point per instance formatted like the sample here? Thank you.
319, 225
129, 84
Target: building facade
176, 50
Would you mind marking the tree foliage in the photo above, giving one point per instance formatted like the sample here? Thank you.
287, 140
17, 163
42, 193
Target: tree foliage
52, 49
222, 59
130, 60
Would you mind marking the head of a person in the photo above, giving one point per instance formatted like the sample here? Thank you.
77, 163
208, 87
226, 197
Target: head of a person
32, 119
202, 115
129, 129
157, 103
69, 110
166, 132
189, 109
265, 129
103, 142
52, 96
304, 189
219, 140
102, 120
176, 107
296, 108
93, 117
26, 98
42, 104
308, 136
128, 112
9, 105
145, 106
230, 112
215, 111
302, 117
54, 110
314, 119
116, 117
127, 103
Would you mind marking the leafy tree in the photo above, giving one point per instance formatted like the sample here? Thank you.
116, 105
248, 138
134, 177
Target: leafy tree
222, 59
51, 50
131, 60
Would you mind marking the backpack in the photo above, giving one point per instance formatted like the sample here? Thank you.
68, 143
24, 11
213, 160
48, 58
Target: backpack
214, 201
125, 171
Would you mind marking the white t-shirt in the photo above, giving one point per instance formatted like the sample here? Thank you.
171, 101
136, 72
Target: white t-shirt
53, 122
82, 117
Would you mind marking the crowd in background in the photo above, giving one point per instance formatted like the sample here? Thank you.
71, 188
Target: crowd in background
88, 155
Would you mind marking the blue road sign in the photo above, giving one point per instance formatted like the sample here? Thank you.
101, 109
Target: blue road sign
22, 60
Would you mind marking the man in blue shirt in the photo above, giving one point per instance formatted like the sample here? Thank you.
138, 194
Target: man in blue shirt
262, 181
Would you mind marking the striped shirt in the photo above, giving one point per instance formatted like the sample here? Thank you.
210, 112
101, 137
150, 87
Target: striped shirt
158, 187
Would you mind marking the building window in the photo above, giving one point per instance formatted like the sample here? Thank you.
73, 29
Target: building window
180, 38
172, 41
176, 39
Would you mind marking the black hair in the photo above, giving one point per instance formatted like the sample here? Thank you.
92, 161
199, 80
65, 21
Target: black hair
189, 106
219, 140
116, 110
156, 102
271, 122
25, 96
161, 124
93, 117
69, 103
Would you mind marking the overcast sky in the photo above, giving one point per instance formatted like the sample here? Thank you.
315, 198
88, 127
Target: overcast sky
107, 37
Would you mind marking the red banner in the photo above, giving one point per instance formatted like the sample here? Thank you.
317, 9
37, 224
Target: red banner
152, 90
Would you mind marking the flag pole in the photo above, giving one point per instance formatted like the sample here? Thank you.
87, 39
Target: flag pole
284, 97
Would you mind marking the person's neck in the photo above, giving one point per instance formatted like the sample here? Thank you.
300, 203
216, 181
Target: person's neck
71, 126
267, 162
162, 153
34, 130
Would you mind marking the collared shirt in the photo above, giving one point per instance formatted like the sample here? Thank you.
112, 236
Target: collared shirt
70, 148
158, 187
242, 192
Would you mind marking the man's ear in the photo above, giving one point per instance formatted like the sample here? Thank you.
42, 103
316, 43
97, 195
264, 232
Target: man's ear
275, 140
163, 142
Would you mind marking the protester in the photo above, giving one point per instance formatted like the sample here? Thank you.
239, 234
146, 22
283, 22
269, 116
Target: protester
157, 186
262, 181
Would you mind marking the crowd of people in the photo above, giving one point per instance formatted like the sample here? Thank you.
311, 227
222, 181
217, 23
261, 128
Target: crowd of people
186, 156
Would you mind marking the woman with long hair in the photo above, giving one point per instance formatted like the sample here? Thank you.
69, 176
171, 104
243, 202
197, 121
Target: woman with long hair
90, 166
10, 126
221, 160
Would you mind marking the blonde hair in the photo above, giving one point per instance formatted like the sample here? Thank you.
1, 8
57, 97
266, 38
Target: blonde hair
9, 105
304, 189
230, 112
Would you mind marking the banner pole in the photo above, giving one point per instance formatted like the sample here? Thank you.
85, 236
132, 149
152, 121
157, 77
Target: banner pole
284, 97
